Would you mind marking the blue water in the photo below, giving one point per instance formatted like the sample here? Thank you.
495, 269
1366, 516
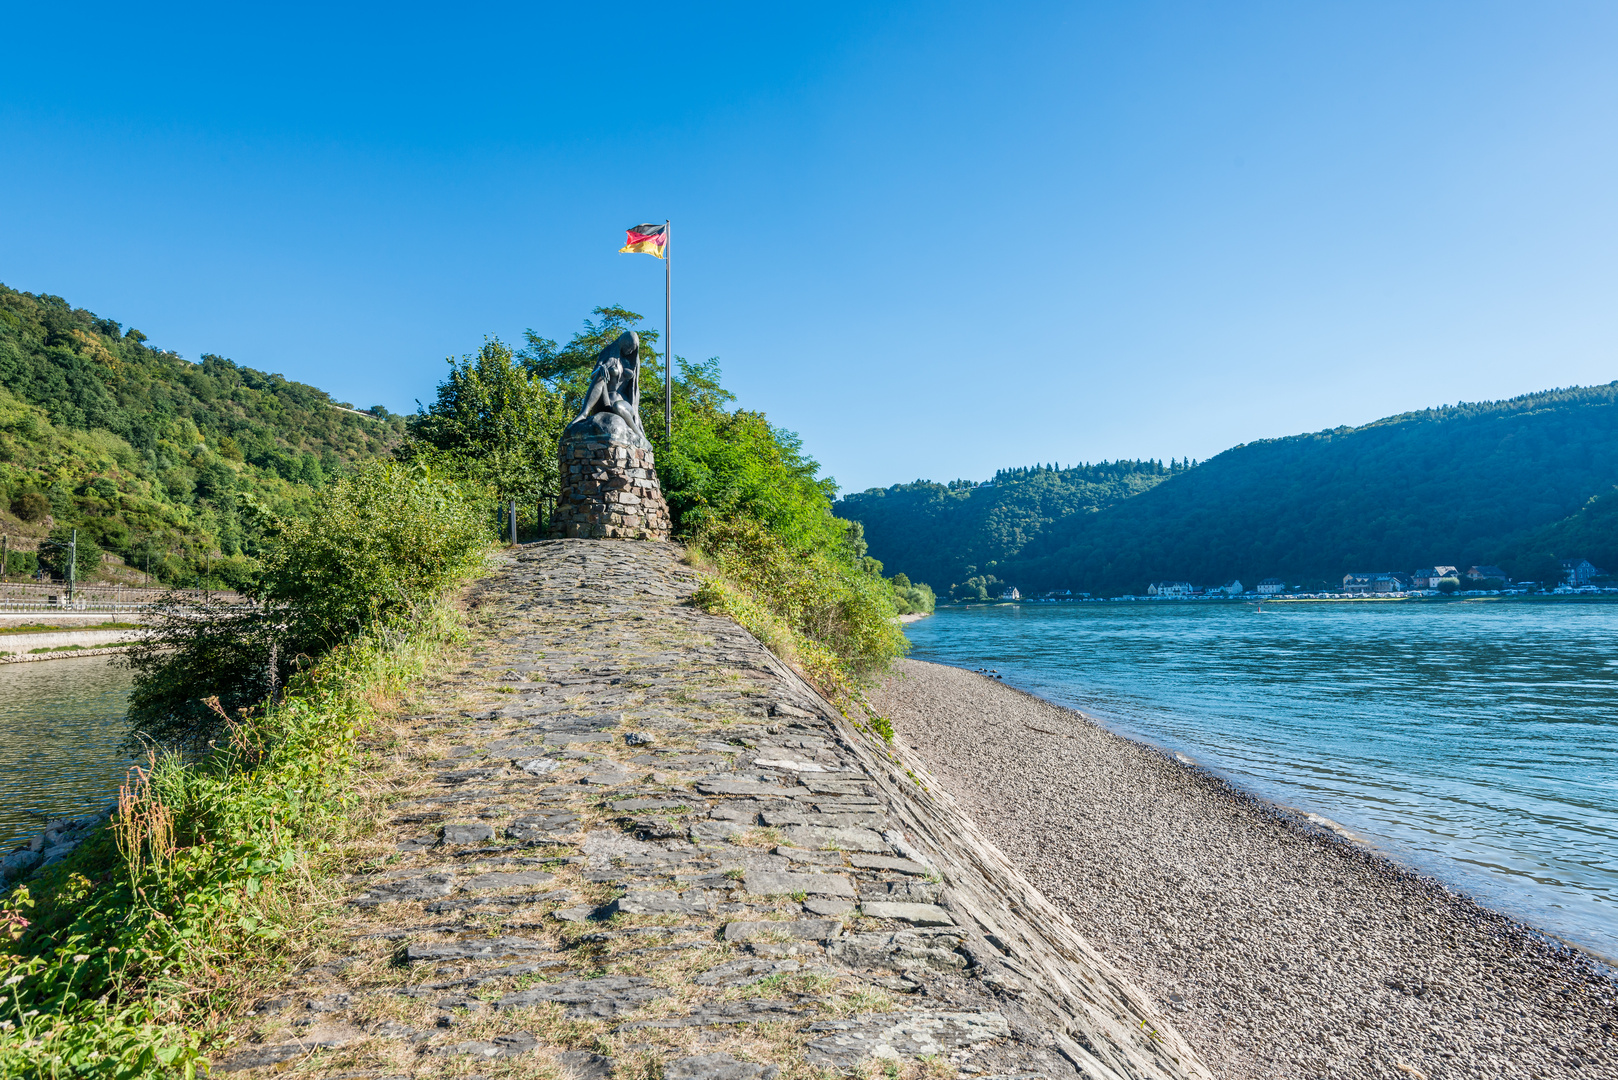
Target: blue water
1476, 741
61, 725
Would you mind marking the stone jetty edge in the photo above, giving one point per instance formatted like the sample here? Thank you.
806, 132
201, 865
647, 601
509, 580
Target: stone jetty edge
1016, 937
627, 840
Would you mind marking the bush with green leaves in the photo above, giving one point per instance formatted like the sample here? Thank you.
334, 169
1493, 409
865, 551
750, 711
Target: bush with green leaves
820, 596
385, 540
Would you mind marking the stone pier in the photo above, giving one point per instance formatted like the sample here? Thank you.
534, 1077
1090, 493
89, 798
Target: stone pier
616, 837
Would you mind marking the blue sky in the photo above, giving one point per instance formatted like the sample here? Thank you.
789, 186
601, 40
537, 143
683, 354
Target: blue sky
933, 239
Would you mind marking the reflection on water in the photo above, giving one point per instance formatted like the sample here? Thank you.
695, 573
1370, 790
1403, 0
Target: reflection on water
1477, 741
60, 724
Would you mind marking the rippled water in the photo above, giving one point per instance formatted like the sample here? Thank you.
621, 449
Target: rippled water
60, 724
1477, 741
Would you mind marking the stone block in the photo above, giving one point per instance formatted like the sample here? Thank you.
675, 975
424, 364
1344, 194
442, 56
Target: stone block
918, 914
767, 884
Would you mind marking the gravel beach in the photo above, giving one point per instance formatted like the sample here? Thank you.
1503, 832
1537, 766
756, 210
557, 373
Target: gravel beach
1280, 949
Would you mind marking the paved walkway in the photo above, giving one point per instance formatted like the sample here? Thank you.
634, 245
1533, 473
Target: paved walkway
624, 840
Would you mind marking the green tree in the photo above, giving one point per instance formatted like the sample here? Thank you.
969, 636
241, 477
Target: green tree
1542, 568
499, 421
566, 369
54, 555
727, 465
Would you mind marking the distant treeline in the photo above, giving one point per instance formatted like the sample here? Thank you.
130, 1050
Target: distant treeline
950, 532
1506, 482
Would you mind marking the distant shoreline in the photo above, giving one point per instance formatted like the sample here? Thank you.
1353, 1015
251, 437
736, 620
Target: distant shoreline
1515, 598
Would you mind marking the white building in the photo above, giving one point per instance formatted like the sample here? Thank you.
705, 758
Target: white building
1270, 586
1431, 576
1169, 588
1011, 593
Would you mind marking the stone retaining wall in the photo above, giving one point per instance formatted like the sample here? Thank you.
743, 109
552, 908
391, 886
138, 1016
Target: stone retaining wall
625, 840
89, 639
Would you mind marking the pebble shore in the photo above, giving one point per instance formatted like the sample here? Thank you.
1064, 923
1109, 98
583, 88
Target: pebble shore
1282, 950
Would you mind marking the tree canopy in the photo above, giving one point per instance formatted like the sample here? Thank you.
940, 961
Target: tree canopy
500, 420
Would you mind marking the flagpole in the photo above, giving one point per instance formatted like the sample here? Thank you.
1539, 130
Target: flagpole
668, 332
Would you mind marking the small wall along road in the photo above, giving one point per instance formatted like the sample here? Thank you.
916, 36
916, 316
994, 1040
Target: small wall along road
18, 648
627, 841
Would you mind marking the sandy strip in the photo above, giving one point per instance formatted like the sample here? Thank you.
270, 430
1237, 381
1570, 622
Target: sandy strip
1281, 950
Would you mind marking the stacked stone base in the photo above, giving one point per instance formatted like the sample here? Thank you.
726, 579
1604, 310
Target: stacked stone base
609, 490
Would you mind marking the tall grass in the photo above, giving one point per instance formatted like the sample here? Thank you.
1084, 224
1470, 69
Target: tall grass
829, 619
120, 958
122, 955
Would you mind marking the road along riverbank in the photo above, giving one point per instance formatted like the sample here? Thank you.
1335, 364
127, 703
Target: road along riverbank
619, 837
1281, 949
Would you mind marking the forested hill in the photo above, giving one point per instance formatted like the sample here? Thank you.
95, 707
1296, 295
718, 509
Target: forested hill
1503, 482
942, 533
149, 455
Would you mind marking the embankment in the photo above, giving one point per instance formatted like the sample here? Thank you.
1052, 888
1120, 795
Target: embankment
52, 644
1281, 950
620, 838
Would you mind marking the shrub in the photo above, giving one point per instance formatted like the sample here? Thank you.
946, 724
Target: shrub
384, 541
20, 562
832, 621
846, 610
31, 506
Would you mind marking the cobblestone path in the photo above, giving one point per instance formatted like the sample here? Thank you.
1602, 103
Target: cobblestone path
626, 841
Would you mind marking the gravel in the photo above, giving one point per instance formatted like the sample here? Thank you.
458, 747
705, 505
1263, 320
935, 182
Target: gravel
1278, 949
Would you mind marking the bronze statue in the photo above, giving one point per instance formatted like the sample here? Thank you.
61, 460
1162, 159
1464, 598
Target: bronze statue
612, 405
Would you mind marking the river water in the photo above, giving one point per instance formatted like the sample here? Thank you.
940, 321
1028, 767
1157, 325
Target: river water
60, 725
1476, 741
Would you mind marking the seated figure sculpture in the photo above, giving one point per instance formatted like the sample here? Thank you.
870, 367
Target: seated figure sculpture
612, 405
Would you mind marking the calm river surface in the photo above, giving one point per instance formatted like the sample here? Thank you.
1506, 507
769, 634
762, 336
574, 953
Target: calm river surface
60, 724
1477, 741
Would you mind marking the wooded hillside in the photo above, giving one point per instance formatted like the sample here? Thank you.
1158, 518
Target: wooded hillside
1503, 482
942, 533
150, 456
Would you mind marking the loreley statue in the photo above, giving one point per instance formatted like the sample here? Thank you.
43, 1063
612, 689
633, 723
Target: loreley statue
609, 480
612, 407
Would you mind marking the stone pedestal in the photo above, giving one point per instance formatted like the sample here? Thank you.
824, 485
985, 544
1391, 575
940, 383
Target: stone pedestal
609, 489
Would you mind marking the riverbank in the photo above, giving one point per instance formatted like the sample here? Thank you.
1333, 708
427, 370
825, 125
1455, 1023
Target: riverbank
1283, 950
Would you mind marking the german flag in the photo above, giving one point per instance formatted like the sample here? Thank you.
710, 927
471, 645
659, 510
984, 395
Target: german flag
645, 240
